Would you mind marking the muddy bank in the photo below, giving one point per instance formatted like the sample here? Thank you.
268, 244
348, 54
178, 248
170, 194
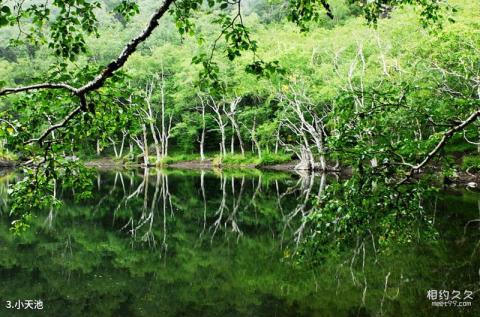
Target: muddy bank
6, 163
207, 164
464, 178
193, 164
471, 180
106, 163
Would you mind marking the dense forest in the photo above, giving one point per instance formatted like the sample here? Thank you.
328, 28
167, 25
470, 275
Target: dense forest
343, 92
383, 96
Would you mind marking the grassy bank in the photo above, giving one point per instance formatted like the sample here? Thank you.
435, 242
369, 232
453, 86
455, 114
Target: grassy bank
211, 159
249, 159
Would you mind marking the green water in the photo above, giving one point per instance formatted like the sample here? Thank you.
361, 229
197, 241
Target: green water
192, 243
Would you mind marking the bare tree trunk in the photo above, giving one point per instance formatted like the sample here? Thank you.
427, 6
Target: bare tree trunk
202, 136
277, 141
167, 136
162, 90
119, 152
151, 121
114, 147
318, 137
145, 146
254, 138
158, 152
239, 136
130, 149
307, 161
235, 128
221, 125
309, 127
165, 133
98, 148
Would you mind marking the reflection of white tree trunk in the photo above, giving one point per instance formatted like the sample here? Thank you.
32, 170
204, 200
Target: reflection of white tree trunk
204, 198
230, 221
253, 200
235, 204
144, 226
110, 192
303, 195
99, 181
49, 220
222, 207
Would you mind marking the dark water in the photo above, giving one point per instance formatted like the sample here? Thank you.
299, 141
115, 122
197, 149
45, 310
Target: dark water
192, 243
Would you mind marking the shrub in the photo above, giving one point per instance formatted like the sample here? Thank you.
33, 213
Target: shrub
269, 158
251, 159
171, 159
471, 163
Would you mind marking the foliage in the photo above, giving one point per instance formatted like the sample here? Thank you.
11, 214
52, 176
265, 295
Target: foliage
334, 92
37, 190
235, 159
366, 208
471, 163
269, 158
191, 271
378, 100
179, 158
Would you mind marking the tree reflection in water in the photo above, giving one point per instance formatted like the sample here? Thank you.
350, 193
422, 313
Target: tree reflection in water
243, 243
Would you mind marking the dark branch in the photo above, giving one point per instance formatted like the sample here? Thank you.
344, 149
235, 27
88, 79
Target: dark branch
98, 82
127, 51
56, 126
446, 136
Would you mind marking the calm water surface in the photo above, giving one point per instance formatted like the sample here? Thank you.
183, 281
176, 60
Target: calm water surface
203, 243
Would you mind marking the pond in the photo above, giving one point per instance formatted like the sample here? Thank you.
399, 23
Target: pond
222, 243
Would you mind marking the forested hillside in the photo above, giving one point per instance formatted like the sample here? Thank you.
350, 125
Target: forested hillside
240, 157
343, 92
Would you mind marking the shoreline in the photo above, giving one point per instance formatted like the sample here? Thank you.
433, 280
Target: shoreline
207, 164
191, 164
7, 164
471, 180
462, 178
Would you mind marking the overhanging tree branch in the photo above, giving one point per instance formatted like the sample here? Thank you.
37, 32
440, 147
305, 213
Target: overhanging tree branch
131, 47
446, 136
56, 126
98, 81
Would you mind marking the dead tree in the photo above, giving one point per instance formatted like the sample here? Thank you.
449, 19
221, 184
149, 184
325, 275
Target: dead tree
231, 114
119, 151
303, 119
202, 135
151, 118
218, 110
